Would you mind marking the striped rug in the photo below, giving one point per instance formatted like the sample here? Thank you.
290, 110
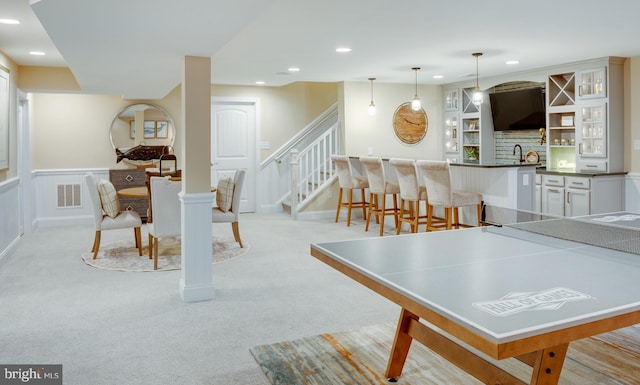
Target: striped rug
359, 358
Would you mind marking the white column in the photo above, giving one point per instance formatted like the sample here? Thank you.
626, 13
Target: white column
196, 281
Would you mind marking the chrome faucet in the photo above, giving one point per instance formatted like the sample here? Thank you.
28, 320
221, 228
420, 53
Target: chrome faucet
521, 159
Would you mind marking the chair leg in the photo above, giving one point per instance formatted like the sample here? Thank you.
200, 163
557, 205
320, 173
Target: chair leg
416, 218
395, 209
96, 244
138, 237
413, 214
366, 227
400, 217
447, 217
339, 204
235, 226
150, 246
382, 209
364, 205
349, 207
155, 253
479, 214
456, 218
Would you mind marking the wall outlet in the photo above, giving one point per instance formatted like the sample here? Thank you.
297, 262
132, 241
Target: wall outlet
636, 144
329, 194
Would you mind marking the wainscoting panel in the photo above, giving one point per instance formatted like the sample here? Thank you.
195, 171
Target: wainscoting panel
10, 229
632, 193
46, 185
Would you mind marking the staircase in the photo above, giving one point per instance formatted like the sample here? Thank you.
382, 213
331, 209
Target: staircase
302, 168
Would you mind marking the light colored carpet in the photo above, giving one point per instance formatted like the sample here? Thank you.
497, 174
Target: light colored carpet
359, 357
122, 255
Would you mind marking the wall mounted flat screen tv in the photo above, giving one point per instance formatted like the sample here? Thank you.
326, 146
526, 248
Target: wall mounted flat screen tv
518, 110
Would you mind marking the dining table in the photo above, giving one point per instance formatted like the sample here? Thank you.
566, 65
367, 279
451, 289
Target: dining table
139, 192
134, 192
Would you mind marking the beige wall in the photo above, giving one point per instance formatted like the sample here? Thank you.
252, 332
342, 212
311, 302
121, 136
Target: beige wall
58, 79
363, 130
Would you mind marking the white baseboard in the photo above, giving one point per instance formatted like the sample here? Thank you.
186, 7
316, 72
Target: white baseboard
9, 249
63, 221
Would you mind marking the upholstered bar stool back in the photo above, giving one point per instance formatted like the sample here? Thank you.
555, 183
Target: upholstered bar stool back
379, 187
348, 182
411, 193
437, 177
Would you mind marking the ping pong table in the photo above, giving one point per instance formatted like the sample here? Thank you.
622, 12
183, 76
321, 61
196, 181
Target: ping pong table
523, 290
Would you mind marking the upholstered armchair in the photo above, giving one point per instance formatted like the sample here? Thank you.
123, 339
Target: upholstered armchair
228, 194
107, 214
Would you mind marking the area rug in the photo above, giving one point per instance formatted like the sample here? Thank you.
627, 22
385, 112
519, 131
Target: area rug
123, 256
360, 357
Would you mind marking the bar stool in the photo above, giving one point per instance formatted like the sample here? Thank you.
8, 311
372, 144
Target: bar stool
411, 193
437, 176
379, 187
346, 181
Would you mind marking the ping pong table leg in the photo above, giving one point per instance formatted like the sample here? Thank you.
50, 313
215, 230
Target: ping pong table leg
548, 366
401, 345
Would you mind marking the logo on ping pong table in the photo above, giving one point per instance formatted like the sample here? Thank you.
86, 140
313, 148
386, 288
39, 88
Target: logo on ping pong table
512, 303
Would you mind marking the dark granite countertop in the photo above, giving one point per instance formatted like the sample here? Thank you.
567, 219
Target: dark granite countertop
494, 165
576, 173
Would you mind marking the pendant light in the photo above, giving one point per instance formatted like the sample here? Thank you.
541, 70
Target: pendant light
415, 103
372, 105
477, 93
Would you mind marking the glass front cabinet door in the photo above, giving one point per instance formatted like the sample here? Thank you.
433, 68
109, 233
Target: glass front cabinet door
593, 131
593, 83
451, 136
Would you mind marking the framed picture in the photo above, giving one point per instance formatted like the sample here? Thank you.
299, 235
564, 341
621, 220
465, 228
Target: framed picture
132, 129
566, 121
162, 129
149, 129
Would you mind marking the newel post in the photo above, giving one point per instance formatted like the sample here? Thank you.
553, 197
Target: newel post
294, 183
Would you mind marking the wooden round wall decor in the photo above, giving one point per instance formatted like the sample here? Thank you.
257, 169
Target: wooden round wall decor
410, 126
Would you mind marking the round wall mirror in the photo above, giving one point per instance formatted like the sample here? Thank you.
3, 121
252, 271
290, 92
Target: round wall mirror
144, 125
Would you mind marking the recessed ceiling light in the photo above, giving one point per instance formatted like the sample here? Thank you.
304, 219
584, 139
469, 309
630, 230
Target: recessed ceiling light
343, 49
438, 76
9, 21
512, 62
293, 69
260, 82
37, 53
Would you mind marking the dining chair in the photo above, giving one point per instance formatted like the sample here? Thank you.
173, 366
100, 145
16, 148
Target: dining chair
379, 188
161, 171
228, 197
437, 177
107, 214
167, 213
348, 182
411, 194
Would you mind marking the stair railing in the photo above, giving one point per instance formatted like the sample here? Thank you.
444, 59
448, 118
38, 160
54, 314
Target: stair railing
312, 169
275, 171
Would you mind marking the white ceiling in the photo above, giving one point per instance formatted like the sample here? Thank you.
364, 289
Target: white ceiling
135, 48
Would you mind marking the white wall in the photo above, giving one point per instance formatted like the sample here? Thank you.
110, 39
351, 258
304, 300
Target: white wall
363, 131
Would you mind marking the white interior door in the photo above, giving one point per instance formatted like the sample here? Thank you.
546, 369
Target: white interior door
234, 141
